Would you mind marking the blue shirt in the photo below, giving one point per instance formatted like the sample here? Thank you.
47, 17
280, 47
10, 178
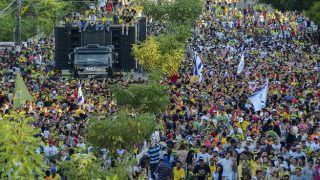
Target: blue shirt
154, 153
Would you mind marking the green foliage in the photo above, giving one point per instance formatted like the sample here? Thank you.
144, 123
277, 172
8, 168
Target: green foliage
169, 42
7, 23
314, 12
150, 98
46, 14
176, 11
166, 52
17, 151
83, 167
184, 11
121, 131
155, 9
181, 32
291, 5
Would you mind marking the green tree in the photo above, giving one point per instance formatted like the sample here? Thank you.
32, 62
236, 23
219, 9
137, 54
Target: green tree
314, 12
155, 9
163, 53
181, 32
291, 5
184, 11
169, 43
150, 97
82, 167
17, 151
121, 131
46, 14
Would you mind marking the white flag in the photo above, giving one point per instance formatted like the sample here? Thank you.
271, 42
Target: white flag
241, 65
198, 66
259, 98
80, 96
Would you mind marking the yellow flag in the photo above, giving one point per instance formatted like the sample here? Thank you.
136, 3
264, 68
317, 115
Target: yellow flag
24, 9
21, 93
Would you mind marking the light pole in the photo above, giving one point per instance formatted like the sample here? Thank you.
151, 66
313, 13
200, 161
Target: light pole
18, 28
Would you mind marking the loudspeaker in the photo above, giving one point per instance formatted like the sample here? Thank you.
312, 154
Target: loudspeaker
142, 29
62, 48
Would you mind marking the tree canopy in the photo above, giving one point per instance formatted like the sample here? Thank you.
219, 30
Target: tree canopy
147, 98
36, 16
165, 52
314, 12
121, 131
18, 157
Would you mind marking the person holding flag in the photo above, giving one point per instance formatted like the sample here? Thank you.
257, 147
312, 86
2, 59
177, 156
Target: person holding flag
80, 96
259, 98
241, 65
198, 66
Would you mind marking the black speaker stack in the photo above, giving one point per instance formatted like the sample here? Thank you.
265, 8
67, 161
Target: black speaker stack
68, 39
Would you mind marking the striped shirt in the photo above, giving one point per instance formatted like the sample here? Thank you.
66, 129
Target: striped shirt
154, 153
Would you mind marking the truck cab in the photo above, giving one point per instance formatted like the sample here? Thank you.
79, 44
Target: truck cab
93, 59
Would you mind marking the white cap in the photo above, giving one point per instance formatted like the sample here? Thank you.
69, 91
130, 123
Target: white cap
249, 139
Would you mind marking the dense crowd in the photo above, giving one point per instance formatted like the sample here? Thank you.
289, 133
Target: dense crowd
210, 129
54, 109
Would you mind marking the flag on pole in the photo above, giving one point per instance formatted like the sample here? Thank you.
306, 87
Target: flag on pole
241, 65
197, 66
259, 98
24, 9
80, 96
21, 93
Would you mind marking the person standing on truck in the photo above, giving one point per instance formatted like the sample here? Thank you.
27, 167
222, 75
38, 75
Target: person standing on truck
91, 21
108, 22
100, 24
124, 19
102, 4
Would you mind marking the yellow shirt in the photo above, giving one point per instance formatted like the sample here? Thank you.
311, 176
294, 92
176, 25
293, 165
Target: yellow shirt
213, 169
243, 125
56, 177
178, 174
78, 112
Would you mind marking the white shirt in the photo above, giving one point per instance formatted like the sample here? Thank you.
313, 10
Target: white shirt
51, 151
46, 134
314, 146
205, 156
81, 145
227, 166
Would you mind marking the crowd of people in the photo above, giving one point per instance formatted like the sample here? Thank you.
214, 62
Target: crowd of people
54, 109
100, 16
210, 129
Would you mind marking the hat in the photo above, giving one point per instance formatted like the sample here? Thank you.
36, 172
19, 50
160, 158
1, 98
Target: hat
201, 159
240, 119
53, 169
249, 139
